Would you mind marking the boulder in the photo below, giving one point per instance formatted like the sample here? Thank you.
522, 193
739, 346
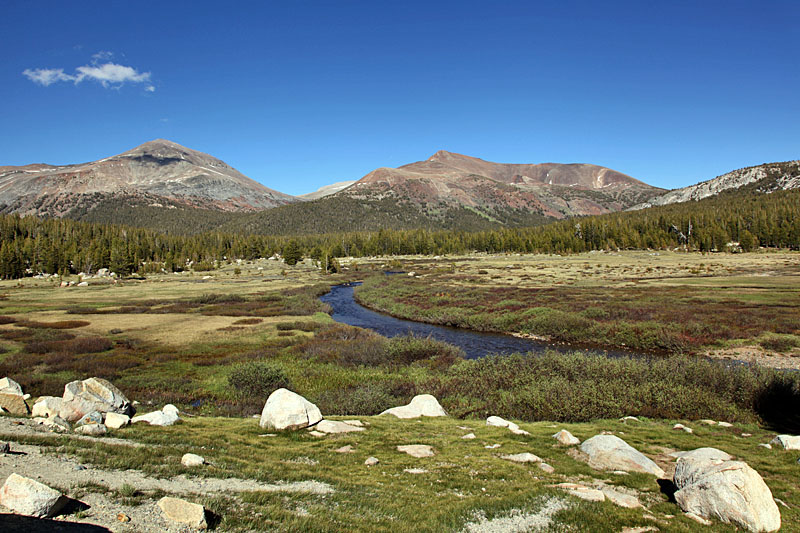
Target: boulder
46, 407
566, 438
420, 405
371, 461
583, 492
95, 417
116, 420
14, 403
165, 417
9, 386
620, 498
92, 394
190, 460
287, 410
181, 511
332, 426
93, 430
609, 452
546, 468
500, 422
787, 442
712, 487
522, 458
29, 497
417, 450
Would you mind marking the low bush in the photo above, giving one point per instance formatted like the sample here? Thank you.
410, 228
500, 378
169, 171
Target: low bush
75, 346
4, 319
298, 325
248, 321
363, 400
779, 343
408, 349
63, 324
257, 379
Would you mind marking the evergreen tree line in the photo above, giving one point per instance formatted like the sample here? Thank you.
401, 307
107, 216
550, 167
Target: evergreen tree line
29, 245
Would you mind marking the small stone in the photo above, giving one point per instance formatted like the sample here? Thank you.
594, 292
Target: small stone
699, 519
629, 419
122, 517
371, 461
724, 424
766, 445
415, 471
92, 430
582, 492
345, 449
184, 512
95, 417
707, 422
544, 467
745, 435
469, 436
332, 426
621, 499
4, 447
190, 460
566, 438
417, 450
316, 433
522, 458
492, 446
683, 428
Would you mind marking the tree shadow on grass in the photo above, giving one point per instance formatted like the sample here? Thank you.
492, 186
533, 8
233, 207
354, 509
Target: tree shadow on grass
12, 523
779, 406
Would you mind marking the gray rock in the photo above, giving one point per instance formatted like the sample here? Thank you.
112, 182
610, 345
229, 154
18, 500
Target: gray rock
582, 492
181, 511
29, 497
730, 491
566, 438
95, 417
621, 499
371, 461
46, 406
417, 450
522, 458
116, 420
190, 460
14, 403
609, 452
544, 467
286, 410
92, 394
93, 430
787, 442
420, 405
332, 426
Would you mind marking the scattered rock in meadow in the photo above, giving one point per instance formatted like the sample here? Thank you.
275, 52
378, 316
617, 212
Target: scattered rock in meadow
724, 424
191, 460
787, 442
546, 468
642, 529
707, 422
765, 445
344, 449
581, 491
420, 405
492, 446
315, 433
29, 497
165, 417
468, 436
698, 519
522, 458
609, 452
711, 486
357, 423
683, 428
46, 406
501, 422
621, 499
92, 394
417, 450
566, 438
93, 430
415, 471
333, 426
287, 410
629, 419
181, 511
371, 461
116, 420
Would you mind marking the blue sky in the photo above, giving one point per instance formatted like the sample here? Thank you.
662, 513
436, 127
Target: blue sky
298, 94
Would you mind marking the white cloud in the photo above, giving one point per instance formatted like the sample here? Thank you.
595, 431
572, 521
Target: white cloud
46, 76
107, 74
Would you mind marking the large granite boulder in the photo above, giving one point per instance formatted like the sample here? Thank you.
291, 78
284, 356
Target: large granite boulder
609, 452
11, 398
167, 416
46, 407
285, 409
92, 394
420, 405
711, 486
29, 497
9, 386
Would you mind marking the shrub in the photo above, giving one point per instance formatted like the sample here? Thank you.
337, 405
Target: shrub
298, 325
63, 324
779, 343
248, 321
7, 319
363, 400
408, 349
346, 345
77, 346
257, 379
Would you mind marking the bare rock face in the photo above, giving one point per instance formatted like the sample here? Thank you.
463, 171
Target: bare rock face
609, 452
92, 394
420, 405
29, 497
285, 409
710, 486
178, 510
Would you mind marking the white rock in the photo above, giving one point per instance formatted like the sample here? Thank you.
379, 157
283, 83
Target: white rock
728, 490
116, 420
582, 492
317, 433
544, 467
46, 406
287, 410
683, 428
9, 386
420, 405
177, 510
698, 519
29, 497
468, 436
522, 458
609, 452
415, 471
707, 422
156, 418
191, 460
621, 499
724, 424
566, 438
170, 409
787, 442
332, 426
371, 461
417, 450
629, 419
500, 422
492, 446
765, 445
93, 430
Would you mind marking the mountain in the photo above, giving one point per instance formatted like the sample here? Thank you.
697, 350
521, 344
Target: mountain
158, 173
327, 190
552, 190
764, 178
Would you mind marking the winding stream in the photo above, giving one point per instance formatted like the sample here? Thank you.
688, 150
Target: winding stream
475, 344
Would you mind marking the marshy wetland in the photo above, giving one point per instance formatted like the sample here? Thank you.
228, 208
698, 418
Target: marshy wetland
216, 344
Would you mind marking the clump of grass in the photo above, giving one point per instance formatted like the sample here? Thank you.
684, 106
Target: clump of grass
298, 325
362, 400
257, 379
408, 349
62, 324
4, 319
80, 345
248, 321
779, 343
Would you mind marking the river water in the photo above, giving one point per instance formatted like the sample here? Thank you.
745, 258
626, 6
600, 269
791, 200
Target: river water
475, 344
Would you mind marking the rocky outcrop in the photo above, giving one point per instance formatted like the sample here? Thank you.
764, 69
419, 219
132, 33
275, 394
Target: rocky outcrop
609, 452
711, 485
93, 394
420, 405
29, 497
287, 410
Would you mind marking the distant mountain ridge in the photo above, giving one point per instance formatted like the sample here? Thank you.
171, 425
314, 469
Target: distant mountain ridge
761, 178
159, 172
554, 190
